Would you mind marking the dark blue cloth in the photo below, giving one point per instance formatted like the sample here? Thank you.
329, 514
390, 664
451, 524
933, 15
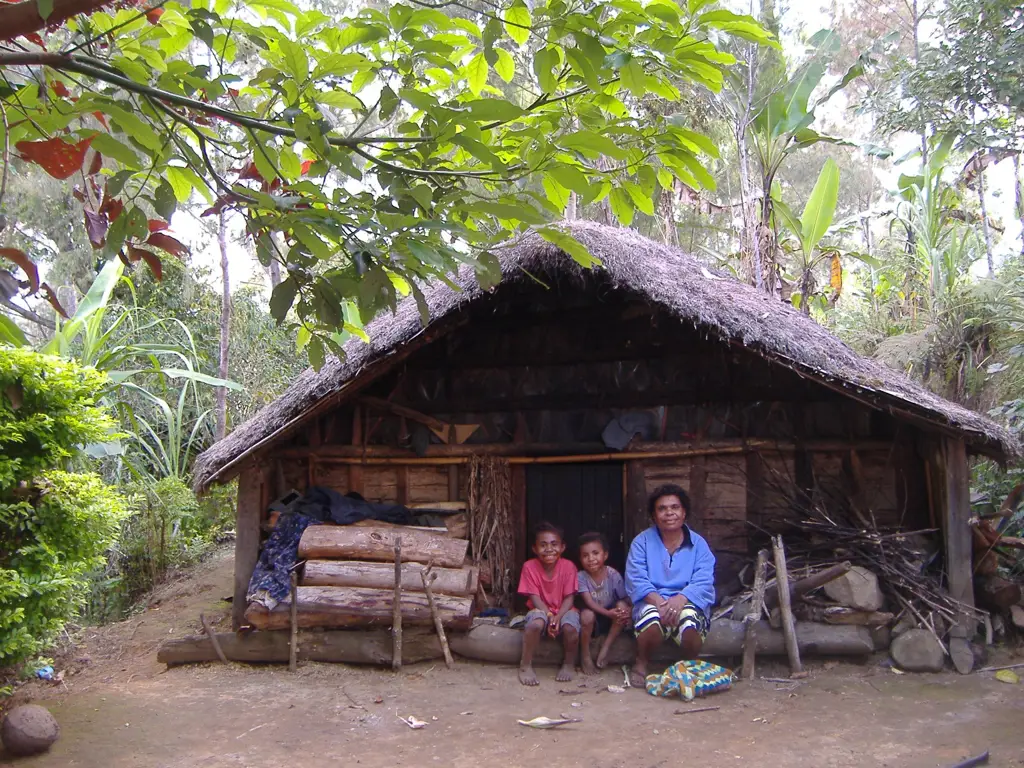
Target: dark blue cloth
280, 553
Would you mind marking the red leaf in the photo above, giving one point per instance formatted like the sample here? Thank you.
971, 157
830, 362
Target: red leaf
219, 205
78, 194
167, 243
96, 228
306, 165
59, 89
250, 172
52, 298
97, 164
57, 157
124, 259
33, 37
151, 259
155, 225
103, 120
153, 16
112, 207
20, 258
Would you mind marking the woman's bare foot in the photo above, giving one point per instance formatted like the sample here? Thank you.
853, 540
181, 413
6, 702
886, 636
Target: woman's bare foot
588, 665
638, 679
564, 674
527, 676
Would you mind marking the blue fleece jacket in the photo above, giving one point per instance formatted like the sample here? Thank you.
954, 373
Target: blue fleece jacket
689, 571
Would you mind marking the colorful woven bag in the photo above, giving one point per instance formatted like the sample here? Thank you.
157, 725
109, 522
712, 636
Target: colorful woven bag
689, 680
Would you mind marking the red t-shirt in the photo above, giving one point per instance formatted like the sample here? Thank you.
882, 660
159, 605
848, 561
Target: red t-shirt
553, 590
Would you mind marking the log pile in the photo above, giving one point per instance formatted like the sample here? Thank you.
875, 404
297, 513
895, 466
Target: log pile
348, 580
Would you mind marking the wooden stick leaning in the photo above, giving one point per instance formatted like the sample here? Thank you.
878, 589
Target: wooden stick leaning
796, 669
756, 606
396, 615
293, 638
428, 577
213, 639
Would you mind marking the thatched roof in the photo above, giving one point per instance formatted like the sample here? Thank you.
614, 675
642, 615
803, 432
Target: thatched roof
664, 276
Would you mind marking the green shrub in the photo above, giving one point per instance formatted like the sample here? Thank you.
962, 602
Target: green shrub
168, 529
56, 523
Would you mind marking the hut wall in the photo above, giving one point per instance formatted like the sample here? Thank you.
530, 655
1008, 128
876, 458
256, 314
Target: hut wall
537, 381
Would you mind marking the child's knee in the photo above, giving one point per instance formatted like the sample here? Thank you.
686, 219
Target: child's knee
587, 617
570, 634
535, 627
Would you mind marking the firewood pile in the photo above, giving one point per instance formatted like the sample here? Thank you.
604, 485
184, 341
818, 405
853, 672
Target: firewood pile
347, 579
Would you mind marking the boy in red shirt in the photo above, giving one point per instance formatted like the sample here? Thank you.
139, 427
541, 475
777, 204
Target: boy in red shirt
549, 584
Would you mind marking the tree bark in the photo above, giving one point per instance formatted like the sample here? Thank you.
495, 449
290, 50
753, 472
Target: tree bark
338, 607
225, 327
378, 543
461, 582
1018, 196
497, 644
984, 223
340, 646
23, 18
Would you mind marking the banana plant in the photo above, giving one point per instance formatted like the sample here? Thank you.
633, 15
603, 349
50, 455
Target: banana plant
810, 229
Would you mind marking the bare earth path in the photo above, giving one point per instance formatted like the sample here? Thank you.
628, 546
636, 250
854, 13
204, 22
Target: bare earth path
121, 709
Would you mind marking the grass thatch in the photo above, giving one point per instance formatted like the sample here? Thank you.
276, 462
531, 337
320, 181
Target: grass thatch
712, 302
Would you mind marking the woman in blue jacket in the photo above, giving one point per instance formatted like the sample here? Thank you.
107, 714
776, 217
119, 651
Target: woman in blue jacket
670, 577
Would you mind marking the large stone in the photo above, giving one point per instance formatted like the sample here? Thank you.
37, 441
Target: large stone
857, 589
1017, 616
917, 650
29, 730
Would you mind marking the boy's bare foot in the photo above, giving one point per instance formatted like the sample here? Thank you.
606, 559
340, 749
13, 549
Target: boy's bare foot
602, 659
588, 665
564, 674
527, 676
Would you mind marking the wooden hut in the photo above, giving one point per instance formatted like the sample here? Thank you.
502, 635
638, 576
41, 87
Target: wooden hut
516, 400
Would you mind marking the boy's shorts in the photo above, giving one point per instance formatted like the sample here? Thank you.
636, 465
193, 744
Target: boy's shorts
570, 619
646, 615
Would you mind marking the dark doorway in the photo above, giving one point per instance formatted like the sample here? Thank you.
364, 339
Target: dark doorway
577, 498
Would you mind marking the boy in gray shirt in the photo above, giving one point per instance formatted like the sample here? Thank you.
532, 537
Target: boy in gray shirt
606, 610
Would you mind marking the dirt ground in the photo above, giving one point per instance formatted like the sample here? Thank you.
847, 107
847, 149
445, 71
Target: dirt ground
117, 708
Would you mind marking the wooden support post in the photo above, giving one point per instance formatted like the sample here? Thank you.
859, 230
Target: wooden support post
396, 615
247, 540
751, 619
956, 529
403, 485
428, 577
453, 470
213, 639
635, 511
355, 471
293, 641
698, 482
796, 669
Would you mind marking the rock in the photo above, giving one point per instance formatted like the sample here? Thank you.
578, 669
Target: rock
881, 637
29, 730
1017, 616
856, 589
916, 650
907, 621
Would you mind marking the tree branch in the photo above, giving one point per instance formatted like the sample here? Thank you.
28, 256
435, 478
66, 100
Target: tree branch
28, 314
23, 18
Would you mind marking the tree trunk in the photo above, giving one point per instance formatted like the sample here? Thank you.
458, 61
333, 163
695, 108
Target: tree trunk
225, 327
462, 582
984, 223
377, 543
337, 607
1018, 196
339, 646
504, 646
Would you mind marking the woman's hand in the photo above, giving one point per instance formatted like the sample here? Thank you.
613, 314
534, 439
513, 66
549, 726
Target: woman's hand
670, 609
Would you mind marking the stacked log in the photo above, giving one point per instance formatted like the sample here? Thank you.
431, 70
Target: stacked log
349, 580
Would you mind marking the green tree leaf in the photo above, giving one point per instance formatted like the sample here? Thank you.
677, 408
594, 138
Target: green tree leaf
634, 78
282, 298
518, 23
505, 66
622, 206
556, 193
577, 250
476, 73
821, 207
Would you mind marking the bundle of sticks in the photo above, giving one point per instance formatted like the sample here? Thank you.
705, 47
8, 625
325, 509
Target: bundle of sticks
907, 572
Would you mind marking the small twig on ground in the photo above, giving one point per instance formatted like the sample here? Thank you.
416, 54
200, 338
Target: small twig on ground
1000, 669
693, 711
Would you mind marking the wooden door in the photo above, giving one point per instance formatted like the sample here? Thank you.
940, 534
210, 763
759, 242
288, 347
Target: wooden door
578, 498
